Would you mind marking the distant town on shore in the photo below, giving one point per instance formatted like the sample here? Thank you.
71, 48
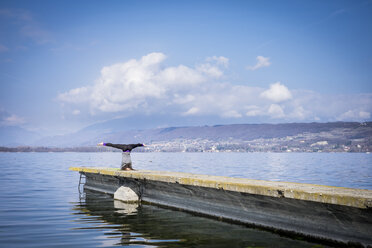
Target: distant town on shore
290, 137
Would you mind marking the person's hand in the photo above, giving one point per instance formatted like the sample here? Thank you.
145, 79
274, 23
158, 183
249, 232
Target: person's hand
100, 144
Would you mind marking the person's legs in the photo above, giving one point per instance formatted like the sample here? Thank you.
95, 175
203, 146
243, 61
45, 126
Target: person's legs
126, 163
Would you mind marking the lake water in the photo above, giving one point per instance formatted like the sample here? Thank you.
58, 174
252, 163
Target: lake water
41, 206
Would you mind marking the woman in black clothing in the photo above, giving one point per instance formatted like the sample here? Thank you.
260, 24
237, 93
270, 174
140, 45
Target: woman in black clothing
126, 163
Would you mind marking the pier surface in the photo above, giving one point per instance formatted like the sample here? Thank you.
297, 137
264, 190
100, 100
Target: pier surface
335, 214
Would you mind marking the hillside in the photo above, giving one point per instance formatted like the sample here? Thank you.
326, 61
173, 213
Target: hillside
16, 136
297, 137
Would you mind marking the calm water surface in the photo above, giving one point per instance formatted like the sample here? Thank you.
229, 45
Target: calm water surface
41, 206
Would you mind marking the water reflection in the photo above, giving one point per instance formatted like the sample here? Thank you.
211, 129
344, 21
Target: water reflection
146, 225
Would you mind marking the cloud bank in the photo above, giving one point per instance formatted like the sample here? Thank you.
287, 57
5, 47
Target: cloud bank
148, 86
134, 84
277, 93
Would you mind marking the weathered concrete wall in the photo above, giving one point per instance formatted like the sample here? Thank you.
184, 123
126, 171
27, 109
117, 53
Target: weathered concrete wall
322, 212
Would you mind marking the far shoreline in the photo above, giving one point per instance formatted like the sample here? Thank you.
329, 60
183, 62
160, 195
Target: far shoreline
92, 149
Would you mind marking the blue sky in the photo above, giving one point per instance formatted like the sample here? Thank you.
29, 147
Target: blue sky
68, 64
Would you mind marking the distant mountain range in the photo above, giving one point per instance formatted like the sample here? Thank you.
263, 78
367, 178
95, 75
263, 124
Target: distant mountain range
300, 137
17, 136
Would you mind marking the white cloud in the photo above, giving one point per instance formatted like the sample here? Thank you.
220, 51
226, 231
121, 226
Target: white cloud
182, 75
12, 120
76, 112
298, 113
231, 114
364, 114
321, 107
219, 99
253, 110
192, 111
277, 93
220, 60
352, 115
178, 99
347, 115
147, 86
275, 111
136, 83
210, 70
261, 62
77, 95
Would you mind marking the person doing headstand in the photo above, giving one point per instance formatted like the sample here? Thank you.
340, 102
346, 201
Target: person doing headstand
126, 163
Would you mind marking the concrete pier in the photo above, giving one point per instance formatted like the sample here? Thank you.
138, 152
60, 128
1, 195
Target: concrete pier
335, 214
